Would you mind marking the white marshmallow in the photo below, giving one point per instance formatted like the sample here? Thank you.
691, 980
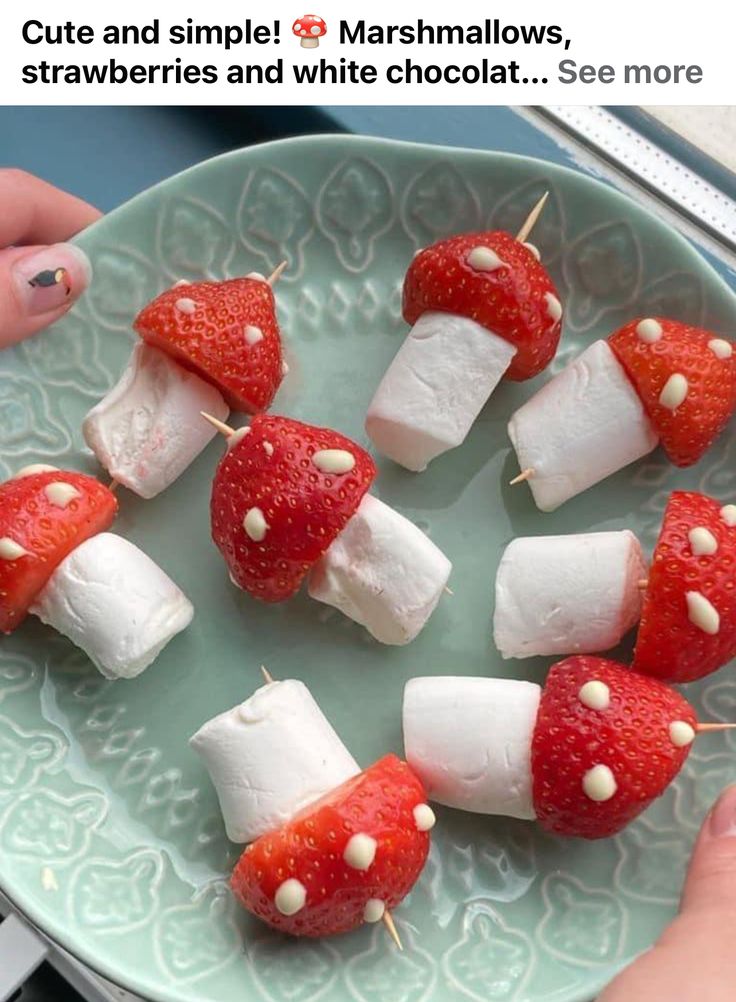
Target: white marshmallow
434, 389
567, 594
271, 756
469, 741
585, 424
148, 428
383, 572
115, 603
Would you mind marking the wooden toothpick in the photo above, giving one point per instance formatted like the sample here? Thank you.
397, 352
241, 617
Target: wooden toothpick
522, 477
224, 429
388, 921
710, 728
277, 273
113, 485
532, 218
642, 584
266, 674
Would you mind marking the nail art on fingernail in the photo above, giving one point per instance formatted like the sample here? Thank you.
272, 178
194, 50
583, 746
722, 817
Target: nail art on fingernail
51, 278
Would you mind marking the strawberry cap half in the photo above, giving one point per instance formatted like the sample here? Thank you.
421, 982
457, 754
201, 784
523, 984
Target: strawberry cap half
496, 281
686, 379
343, 860
280, 497
225, 332
688, 620
43, 517
606, 743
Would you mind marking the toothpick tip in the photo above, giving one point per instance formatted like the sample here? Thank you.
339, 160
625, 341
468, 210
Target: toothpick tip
277, 273
522, 477
224, 429
393, 932
266, 674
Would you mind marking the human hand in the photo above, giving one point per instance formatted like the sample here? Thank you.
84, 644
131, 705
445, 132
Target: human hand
41, 276
694, 960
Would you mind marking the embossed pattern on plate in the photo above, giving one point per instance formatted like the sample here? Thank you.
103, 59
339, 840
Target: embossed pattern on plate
110, 836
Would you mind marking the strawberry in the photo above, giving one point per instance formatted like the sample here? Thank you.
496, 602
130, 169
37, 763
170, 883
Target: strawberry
43, 517
498, 282
686, 378
226, 332
343, 860
280, 496
688, 620
606, 743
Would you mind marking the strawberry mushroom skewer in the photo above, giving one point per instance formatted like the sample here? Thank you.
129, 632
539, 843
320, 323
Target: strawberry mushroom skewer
331, 846
583, 593
203, 346
654, 381
566, 755
59, 562
482, 307
290, 500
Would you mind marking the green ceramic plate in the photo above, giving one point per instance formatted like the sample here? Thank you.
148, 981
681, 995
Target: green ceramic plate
100, 797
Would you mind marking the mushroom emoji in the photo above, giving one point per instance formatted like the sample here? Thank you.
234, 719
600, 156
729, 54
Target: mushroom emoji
309, 29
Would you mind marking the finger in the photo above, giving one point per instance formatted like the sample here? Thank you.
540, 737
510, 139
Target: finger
37, 287
34, 212
694, 960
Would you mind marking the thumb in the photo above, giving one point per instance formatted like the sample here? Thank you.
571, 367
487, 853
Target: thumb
37, 287
695, 960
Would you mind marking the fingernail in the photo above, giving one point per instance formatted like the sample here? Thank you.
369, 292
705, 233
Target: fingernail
52, 277
722, 822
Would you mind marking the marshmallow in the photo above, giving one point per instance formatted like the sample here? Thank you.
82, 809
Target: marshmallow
469, 740
585, 424
148, 428
271, 756
567, 594
383, 572
115, 603
434, 389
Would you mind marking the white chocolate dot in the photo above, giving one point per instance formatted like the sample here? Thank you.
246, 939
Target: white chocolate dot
268, 448
681, 733
334, 460
255, 525
48, 879
702, 541
595, 695
534, 251
29, 471
554, 306
728, 514
10, 550
599, 784
256, 276
702, 614
252, 335
374, 909
360, 851
649, 330
484, 259
424, 817
237, 436
185, 305
180, 282
60, 494
721, 348
290, 897
284, 369
674, 392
